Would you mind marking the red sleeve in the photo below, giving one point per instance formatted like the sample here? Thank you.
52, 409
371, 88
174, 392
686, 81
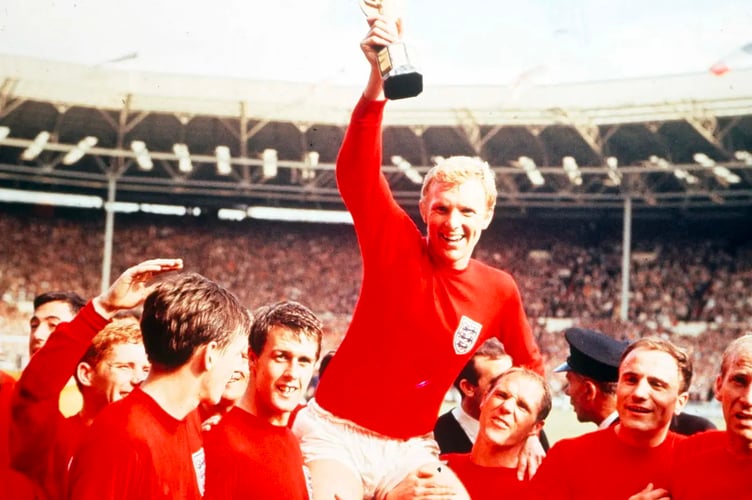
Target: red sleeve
359, 176
7, 385
35, 413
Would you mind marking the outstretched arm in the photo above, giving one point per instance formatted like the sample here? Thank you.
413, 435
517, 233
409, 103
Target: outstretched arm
34, 409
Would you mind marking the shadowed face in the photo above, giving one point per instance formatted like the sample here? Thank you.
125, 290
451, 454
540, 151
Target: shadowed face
580, 397
225, 362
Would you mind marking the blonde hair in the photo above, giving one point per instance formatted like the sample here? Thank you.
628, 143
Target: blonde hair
457, 169
119, 331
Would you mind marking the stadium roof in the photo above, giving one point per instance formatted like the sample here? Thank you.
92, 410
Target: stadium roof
678, 142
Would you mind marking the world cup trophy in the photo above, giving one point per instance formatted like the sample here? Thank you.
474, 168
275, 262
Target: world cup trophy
401, 78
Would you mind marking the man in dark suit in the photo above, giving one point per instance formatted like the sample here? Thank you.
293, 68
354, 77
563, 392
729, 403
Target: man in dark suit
592, 372
456, 430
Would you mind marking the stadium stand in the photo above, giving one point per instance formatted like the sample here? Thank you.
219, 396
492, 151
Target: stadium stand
691, 283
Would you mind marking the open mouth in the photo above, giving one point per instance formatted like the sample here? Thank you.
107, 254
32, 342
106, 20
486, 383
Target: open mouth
452, 238
287, 390
638, 409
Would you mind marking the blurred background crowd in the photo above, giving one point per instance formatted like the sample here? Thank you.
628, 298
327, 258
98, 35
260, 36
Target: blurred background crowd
690, 282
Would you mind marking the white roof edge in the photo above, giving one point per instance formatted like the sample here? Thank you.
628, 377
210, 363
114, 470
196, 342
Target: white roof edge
615, 101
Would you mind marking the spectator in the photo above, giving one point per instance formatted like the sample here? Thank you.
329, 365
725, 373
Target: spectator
633, 457
424, 307
149, 445
285, 342
717, 464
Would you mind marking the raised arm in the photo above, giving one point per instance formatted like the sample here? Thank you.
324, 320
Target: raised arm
382, 32
35, 415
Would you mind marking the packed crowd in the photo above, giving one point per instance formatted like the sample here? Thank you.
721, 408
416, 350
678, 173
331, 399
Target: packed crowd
673, 279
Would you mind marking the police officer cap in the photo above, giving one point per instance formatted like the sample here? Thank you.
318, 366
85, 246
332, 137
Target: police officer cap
593, 354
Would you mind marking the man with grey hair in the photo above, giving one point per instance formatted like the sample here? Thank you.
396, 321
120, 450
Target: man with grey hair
717, 464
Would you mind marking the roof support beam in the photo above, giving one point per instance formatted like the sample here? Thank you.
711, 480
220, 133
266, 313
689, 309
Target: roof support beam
469, 125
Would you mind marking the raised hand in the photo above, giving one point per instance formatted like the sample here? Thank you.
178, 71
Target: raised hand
133, 286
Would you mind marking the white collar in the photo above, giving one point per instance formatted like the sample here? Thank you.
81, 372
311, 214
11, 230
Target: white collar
609, 420
468, 423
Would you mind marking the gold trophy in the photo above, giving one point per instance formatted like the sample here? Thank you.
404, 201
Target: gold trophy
401, 79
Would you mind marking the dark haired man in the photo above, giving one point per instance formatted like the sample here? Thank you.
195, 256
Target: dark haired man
51, 309
149, 445
285, 342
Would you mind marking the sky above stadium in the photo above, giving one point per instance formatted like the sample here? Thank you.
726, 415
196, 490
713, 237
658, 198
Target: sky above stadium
454, 42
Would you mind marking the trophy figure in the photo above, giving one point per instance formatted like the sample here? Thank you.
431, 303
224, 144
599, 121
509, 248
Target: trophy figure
401, 79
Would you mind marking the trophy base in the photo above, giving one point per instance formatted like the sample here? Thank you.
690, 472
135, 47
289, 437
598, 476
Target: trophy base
401, 79
403, 84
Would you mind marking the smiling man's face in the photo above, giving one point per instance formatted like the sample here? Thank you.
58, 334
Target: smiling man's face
648, 392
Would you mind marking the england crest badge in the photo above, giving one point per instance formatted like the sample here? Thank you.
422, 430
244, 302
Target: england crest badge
466, 335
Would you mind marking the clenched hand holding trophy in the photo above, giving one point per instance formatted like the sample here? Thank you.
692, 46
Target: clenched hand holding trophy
401, 78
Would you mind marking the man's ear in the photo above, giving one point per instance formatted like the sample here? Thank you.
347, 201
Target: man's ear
487, 220
467, 389
537, 427
717, 387
209, 355
590, 390
84, 373
681, 402
423, 208
252, 362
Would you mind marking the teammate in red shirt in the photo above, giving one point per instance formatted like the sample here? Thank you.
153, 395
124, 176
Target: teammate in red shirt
95, 351
13, 484
107, 368
513, 409
634, 456
425, 305
718, 464
7, 383
149, 445
251, 453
